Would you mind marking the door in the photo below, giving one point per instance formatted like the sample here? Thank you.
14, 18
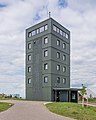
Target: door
74, 97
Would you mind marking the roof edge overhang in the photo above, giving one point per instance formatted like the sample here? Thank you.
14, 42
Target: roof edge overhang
67, 89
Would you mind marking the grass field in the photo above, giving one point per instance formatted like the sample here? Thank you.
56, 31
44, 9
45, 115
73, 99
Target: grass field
4, 106
11, 99
73, 110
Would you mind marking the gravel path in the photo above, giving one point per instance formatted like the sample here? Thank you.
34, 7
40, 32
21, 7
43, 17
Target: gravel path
29, 110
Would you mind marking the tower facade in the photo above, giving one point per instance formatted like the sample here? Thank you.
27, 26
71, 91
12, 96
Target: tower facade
47, 62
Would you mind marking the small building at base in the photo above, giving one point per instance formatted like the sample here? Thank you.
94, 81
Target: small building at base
65, 94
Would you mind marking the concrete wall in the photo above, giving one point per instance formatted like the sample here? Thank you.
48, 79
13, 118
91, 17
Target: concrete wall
38, 90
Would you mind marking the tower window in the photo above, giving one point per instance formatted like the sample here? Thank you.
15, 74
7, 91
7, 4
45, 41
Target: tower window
64, 57
58, 79
46, 27
33, 32
45, 53
34, 42
46, 79
29, 34
29, 69
58, 42
54, 27
46, 66
46, 40
64, 34
58, 67
58, 55
64, 69
64, 80
37, 31
29, 80
41, 29
64, 46
61, 32
29, 46
57, 30
67, 36
29, 57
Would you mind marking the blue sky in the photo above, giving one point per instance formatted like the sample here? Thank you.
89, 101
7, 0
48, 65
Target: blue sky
79, 16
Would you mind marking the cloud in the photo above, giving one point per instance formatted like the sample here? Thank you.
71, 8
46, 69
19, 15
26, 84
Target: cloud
17, 15
62, 3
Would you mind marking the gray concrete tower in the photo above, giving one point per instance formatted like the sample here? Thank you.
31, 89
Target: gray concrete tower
47, 62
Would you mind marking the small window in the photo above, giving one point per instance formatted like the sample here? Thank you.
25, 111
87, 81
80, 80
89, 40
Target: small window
64, 57
29, 69
46, 40
54, 27
41, 29
37, 31
58, 79
46, 79
67, 36
61, 32
33, 33
46, 27
57, 30
29, 34
29, 80
29, 57
45, 53
64, 80
58, 55
34, 42
64, 34
58, 42
58, 67
64, 46
64, 69
46, 66
29, 46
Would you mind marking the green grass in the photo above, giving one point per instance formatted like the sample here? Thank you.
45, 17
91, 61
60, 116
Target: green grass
5, 106
11, 99
73, 110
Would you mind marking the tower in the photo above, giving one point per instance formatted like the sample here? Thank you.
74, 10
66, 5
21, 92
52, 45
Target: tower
48, 62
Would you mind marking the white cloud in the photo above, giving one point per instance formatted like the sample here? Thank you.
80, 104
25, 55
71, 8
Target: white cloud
78, 16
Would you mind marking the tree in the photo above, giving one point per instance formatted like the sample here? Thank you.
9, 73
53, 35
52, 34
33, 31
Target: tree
83, 93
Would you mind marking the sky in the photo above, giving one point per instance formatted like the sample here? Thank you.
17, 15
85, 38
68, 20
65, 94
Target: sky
79, 16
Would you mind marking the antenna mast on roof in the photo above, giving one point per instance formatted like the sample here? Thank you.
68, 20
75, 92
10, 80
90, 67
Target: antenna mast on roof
49, 14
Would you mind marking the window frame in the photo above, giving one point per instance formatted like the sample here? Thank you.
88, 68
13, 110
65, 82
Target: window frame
46, 66
45, 53
29, 80
64, 80
64, 69
58, 55
58, 67
64, 57
46, 27
29, 34
58, 42
54, 28
29, 69
67, 36
29, 57
46, 39
29, 46
64, 45
45, 80
58, 79
41, 29
58, 30
33, 33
